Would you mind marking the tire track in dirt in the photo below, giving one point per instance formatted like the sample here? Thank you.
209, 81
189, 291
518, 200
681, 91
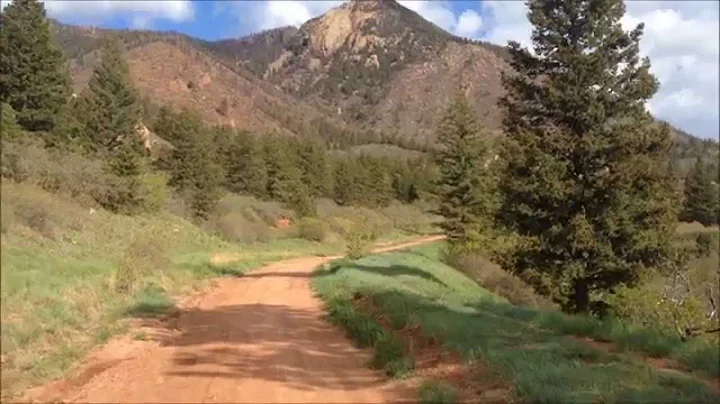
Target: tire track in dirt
260, 338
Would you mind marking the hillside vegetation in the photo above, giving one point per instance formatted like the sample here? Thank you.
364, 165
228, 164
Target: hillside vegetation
73, 272
536, 355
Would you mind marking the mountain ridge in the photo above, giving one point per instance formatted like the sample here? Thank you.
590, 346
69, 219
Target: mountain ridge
374, 70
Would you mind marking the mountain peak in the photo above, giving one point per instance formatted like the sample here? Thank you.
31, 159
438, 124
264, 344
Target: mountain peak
360, 25
368, 5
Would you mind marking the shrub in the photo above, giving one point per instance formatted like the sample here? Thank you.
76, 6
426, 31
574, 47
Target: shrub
494, 278
252, 208
60, 171
704, 244
237, 227
148, 252
155, 191
38, 210
312, 229
408, 218
646, 306
358, 241
388, 350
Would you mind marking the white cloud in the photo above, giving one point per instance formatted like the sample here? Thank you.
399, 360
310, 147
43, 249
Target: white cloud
437, 12
469, 24
140, 14
440, 13
680, 38
262, 15
508, 21
255, 16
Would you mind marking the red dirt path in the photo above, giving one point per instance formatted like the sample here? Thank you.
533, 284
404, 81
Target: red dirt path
257, 338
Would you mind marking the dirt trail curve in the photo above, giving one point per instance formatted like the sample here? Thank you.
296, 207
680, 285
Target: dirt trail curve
260, 338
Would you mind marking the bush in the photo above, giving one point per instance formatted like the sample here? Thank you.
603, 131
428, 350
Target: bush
389, 352
60, 171
312, 229
358, 241
29, 206
237, 227
704, 244
147, 253
408, 218
646, 306
155, 191
494, 278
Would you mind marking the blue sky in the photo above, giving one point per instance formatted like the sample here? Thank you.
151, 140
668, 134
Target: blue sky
226, 19
680, 36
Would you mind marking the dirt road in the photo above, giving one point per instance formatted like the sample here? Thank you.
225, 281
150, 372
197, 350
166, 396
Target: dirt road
260, 338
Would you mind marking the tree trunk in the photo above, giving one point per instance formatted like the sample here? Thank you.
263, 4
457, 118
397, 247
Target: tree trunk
582, 298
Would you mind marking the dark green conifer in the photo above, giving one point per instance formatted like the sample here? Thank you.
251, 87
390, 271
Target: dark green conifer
701, 195
33, 76
194, 167
111, 103
586, 185
344, 179
463, 189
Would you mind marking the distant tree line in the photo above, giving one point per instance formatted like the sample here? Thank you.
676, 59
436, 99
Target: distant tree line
203, 161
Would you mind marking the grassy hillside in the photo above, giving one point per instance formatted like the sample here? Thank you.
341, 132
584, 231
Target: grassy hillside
73, 273
70, 274
542, 354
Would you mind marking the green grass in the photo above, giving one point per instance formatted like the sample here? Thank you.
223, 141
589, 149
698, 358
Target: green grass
535, 349
60, 281
389, 351
437, 392
70, 276
151, 302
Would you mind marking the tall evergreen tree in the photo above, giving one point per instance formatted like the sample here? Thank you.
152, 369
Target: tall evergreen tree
194, 167
344, 191
380, 183
33, 76
285, 178
128, 162
701, 196
256, 179
111, 103
586, 186
463, 189
313, 166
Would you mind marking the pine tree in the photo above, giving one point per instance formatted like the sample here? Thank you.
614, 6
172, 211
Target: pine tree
463, 189
701, 196
380, 184
586, 186
33, 76
194, 167
9, 128
112, 107
129, 164
256, 180
282, 169
344, 179
313, 166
